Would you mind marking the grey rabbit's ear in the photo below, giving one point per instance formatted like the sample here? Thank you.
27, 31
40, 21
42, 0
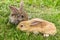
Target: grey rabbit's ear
36, 22
21, 5
13, 9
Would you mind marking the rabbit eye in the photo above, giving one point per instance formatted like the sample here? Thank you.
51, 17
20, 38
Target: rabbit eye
12, 15
21, 25
22, 16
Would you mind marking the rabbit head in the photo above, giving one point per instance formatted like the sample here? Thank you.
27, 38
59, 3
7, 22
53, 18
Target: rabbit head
17, 15
23, 26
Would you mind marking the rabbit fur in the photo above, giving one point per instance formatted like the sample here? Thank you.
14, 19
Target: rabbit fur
18, 15
37, 26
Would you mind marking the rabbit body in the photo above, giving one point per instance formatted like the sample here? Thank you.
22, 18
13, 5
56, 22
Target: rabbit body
38, 25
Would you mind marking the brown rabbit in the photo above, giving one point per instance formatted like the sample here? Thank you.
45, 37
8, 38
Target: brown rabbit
17, 15
38, 25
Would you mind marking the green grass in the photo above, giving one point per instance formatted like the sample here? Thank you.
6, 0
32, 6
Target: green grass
46, 9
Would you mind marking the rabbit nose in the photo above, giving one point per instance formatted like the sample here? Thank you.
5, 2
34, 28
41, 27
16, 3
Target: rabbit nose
17, 28
17, 21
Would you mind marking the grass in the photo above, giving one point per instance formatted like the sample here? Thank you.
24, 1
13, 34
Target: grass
45, 9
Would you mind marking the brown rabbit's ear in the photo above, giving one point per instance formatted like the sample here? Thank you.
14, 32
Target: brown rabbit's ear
21, 5
38, 23
13, 9
35, 23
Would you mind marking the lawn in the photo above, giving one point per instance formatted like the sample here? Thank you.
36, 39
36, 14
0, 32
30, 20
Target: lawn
46, 9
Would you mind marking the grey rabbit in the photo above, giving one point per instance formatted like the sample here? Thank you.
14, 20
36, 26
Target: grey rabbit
17, 15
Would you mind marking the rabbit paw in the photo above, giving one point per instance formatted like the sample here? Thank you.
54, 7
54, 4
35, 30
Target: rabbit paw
36, 32
46, 35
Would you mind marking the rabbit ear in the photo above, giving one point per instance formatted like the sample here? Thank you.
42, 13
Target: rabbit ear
13, 9
21, 5
36, 22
